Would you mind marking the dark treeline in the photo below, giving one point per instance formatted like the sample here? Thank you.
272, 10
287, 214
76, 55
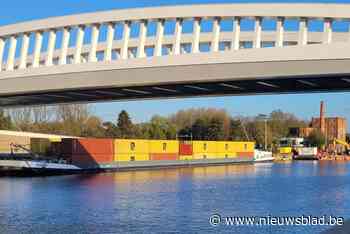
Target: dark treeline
198, 124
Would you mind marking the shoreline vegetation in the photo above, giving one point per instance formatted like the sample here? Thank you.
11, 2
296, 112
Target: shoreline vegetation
189, 124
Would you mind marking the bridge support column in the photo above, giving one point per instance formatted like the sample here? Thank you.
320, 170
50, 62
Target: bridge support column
64, 47
177, 36
2, 46
79, 44
94, 41
131, 54
159, 39
142, 39
303, 29
279, 32
196, 35
327, 30
24, 51
168, 50
216, 38
257, 40
37, 48
51, 47
126, 36
110, 39
236, 33
11, 54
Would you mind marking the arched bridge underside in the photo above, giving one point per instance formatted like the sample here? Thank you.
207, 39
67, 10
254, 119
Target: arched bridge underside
178, 51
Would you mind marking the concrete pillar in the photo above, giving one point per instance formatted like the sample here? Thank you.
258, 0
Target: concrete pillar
279, 32
126, 37
327, 30
84, 58
64, 47
110, 39
159, 38
95, 32
196, 35
169, 49
51, 47
227, 46
257, 40
177, 37
11, 54
131, 54
303, 29
236, 33
216, 35
142, 39
37, 48
2, 46
79, 44
117, 54
183, 50
24, 51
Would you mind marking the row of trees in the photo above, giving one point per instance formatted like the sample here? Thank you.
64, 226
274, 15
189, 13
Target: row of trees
74, 120
197, 124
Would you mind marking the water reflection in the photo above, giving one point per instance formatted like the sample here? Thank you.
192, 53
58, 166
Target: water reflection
135, 177
175, 200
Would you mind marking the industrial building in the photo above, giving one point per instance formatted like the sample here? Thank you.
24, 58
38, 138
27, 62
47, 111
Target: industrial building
331, 127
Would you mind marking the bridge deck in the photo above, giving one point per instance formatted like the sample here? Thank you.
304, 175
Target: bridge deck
220, 56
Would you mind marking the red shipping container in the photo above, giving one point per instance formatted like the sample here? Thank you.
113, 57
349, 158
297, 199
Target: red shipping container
158, 157
91, 159
88, 146
88, 151
185, 149
84, 161
245, 154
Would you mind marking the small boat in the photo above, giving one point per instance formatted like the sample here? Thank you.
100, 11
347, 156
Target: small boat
263, 156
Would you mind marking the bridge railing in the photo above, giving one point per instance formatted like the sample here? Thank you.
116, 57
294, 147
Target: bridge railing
169, 31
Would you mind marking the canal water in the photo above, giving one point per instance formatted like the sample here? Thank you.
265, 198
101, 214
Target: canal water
176, 200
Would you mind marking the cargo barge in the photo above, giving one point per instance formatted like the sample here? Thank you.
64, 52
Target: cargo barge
33, 167
85, 155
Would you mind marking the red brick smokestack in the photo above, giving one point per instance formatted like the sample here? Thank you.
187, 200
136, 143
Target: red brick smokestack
322, 118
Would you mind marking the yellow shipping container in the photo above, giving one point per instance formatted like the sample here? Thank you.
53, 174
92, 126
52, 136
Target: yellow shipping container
134, 146
186, 157
163, 146
204, 150
224, 155
205, 156
55, 140
131, 157
207, 147
224, 146
243, 146
225, 149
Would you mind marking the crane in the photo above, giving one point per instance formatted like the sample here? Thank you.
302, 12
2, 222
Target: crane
341, 142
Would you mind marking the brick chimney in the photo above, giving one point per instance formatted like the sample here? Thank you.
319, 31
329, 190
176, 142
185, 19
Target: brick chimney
322, 118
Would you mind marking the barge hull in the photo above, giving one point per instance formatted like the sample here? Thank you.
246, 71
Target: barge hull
28, 168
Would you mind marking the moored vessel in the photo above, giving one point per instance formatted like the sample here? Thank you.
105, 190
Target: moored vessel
72, 155
263, 156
